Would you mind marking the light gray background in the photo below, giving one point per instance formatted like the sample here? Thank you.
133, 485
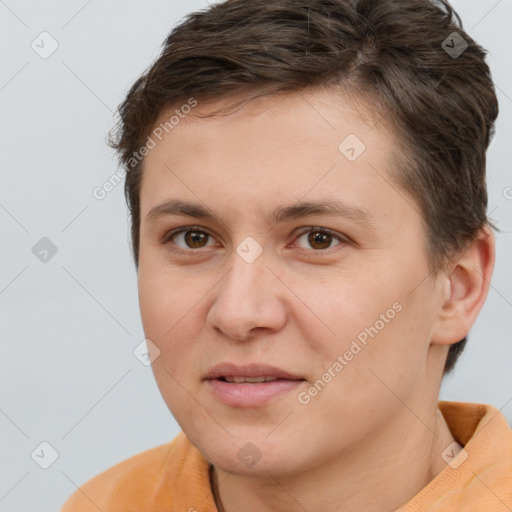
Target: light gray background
69, 326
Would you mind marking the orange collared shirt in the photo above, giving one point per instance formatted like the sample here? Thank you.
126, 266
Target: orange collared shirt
174, 477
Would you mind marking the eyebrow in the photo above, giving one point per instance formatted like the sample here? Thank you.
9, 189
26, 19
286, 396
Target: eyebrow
335, 208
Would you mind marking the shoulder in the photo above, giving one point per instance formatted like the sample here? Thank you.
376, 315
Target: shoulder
130, 484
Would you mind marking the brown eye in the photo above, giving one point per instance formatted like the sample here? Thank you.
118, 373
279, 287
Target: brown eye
195, 238
319, 239
191, 238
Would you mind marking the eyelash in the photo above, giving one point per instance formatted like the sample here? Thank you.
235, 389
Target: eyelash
341, 238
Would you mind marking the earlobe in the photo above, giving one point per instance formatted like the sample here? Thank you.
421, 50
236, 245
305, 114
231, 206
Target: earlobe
465, 289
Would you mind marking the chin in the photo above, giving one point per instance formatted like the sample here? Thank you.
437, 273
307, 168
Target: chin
260, 468
257, 458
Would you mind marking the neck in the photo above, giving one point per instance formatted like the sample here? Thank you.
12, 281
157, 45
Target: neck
381, 474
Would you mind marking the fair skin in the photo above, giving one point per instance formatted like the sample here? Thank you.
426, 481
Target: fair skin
373, 436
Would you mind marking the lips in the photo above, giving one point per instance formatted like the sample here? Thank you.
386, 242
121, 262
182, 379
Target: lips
250, 380
254, 373
253, 385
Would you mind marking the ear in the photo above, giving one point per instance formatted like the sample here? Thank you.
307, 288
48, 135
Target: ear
465, 289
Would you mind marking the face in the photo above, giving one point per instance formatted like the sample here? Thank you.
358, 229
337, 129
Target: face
337, 304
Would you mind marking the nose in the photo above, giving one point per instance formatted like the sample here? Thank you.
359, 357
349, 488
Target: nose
249, 299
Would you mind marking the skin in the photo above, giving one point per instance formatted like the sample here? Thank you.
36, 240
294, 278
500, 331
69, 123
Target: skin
373, 437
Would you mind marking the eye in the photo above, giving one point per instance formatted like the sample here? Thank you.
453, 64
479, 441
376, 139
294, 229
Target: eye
192, 237
320, 238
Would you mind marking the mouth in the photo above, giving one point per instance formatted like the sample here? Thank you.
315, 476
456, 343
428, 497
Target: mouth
251, 385
231, 372
249, 380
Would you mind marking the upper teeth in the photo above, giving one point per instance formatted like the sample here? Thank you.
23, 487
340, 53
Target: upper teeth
250, 379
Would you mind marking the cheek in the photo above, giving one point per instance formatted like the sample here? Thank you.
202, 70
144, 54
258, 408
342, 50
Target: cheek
161, 307
153, 302
167, 316
370, 317
172, 316
341, 308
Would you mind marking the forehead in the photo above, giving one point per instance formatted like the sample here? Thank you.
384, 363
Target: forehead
287, 123
274, 150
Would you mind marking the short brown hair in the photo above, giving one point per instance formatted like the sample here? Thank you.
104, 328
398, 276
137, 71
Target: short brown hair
393, 53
